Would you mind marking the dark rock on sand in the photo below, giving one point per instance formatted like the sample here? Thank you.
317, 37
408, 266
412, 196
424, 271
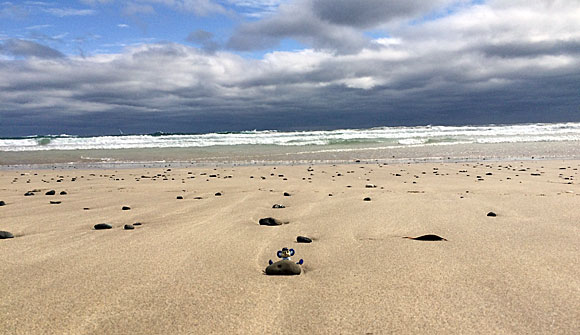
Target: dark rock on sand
63, 193
55, 202
128, 227
271, 222
51, 192
303, 239
5, 235
126, 208
492, 214
27, 194
179, 197
283, 268
2, 203
218, 194
286, 194
278, 206
367, 199
429, 237
137, 224
100, 226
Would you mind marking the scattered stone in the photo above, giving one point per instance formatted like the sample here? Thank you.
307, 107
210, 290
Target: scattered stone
197, 198
179, 197
51, 192
218, 194
128, 227
278, 206
2, 203
536, 174
367, 199
5, 235
137, 224
429, 237
55, 202
370, 186
283, 268
492, 214
303, 239
271, 222
126, 208
86, 209
63, 193
29, 193
286, 194
101, 226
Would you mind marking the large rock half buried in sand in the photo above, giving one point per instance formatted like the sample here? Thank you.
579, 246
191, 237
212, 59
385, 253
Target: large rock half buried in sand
283, 268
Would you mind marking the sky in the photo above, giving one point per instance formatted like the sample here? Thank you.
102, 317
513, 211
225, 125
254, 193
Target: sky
92, 67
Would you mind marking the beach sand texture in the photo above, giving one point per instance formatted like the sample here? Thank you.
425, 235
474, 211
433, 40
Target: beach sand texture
195, 266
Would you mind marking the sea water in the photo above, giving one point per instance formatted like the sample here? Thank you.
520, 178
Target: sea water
385, 144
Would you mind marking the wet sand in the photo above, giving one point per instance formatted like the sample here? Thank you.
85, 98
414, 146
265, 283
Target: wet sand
195, 265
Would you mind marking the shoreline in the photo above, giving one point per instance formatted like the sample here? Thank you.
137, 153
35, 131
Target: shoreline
292, 155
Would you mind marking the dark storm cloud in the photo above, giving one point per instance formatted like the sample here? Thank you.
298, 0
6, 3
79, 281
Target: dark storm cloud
328, 24
22, 48
370, 13
503, 64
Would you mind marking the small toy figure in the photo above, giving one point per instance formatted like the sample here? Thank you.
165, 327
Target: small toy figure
285, 254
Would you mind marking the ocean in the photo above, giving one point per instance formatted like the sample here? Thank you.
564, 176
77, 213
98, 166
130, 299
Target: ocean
380, 144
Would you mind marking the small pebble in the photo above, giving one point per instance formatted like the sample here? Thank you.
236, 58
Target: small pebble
128, 227
51, 192
367, 199
126, 208
492, 214
303, 239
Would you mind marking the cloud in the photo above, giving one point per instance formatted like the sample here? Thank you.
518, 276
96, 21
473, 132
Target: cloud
23, 48
203, 38
64, 12
123, 25
497, 62
328, 24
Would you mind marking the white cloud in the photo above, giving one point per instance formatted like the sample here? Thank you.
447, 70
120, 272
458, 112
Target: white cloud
63, 12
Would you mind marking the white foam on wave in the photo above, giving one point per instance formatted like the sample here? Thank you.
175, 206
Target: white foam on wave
389, 136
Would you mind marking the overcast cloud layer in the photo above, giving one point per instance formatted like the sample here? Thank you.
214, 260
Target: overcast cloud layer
368, 63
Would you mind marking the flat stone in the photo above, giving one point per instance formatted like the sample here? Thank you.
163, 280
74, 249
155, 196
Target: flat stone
179, 197
370, 186
218, 194
101, 226
29, 193
283, 268
63, 193
51, 192
286, 194
429, 237
2, 203
5, 235
271, 222
492, 214
367, 199
137, 224
278, 206
126, 208
303, 239
55, 202
128, 227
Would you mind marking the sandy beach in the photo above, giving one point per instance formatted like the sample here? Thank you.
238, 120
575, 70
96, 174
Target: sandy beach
195, 265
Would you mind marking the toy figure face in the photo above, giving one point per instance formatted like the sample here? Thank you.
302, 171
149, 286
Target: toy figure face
285, 253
